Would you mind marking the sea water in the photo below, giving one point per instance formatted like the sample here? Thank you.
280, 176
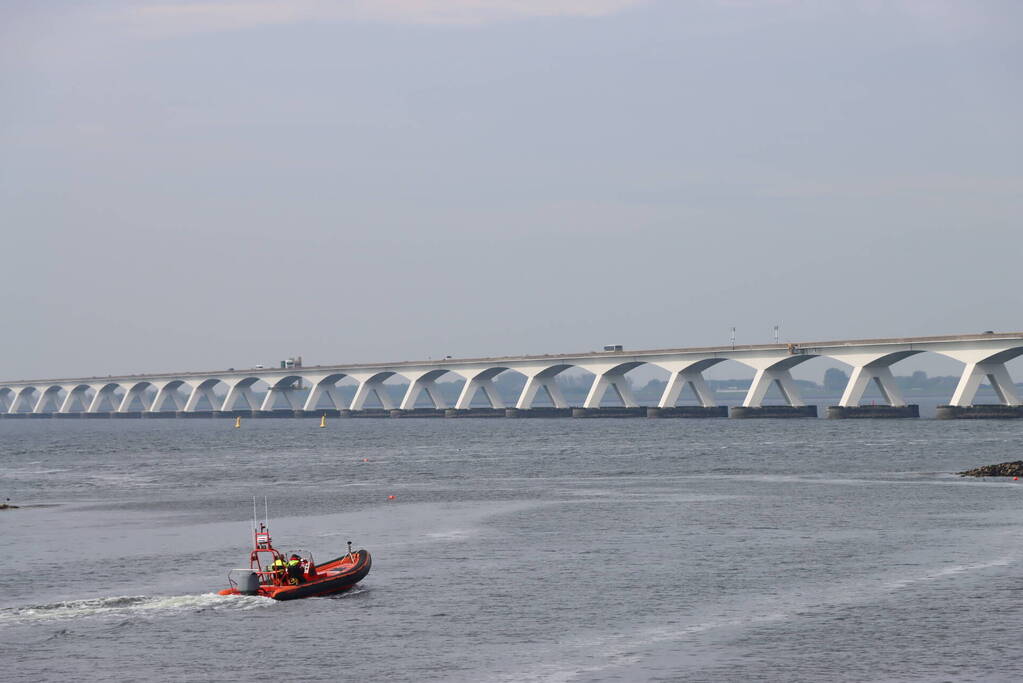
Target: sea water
515, 550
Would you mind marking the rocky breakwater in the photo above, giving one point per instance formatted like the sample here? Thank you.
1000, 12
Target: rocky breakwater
1005, 469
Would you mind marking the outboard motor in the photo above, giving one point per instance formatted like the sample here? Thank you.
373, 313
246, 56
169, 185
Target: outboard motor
249, 584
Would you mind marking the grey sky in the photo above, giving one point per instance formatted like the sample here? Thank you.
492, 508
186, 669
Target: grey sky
191, 185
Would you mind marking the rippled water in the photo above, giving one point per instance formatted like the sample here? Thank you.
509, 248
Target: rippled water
516, 550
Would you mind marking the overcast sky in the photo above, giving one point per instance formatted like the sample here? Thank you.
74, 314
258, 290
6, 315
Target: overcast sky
189, 185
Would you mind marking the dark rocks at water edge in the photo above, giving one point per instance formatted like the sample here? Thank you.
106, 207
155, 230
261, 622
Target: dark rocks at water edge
8, 506
1005, 469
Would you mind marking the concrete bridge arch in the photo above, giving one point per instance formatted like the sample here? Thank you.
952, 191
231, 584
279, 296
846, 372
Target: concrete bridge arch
105, 396
240, 389
77, 399
50, 397
23, 397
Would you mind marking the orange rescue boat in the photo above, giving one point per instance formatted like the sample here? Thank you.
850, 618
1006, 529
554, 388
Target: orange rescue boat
272, 575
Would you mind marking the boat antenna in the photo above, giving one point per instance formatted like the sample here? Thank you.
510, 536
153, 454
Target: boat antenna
266, 512
255, 524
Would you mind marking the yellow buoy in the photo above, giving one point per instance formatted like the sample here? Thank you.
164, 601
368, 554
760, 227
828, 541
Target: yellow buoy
323, 420
237, 421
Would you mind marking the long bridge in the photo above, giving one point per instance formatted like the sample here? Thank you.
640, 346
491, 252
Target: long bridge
231, 391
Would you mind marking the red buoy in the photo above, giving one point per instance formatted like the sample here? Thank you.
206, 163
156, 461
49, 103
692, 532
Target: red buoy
391, 497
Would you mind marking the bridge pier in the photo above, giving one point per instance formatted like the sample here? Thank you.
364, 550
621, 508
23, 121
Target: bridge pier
480, 381
688, 374
615, 379
418, 412
201, 390
770, 370
167, 398
47, 397
980, 366
474, 412
285, 389
319, 412
997, 376
862, 376
516, 413
688, 411
76, 400
321, 386
742, 412
241, 389
876, 367
372, 384
874, 411
424, 382
22, 399
540, 377
994, 411
277, 412
136, 393
231, 413
624, 411
762, 381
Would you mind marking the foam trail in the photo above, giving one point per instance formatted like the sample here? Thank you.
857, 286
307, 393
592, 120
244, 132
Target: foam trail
131, 605
948, 571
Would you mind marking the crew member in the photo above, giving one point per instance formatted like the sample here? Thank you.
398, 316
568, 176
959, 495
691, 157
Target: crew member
279, 568
295, 572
